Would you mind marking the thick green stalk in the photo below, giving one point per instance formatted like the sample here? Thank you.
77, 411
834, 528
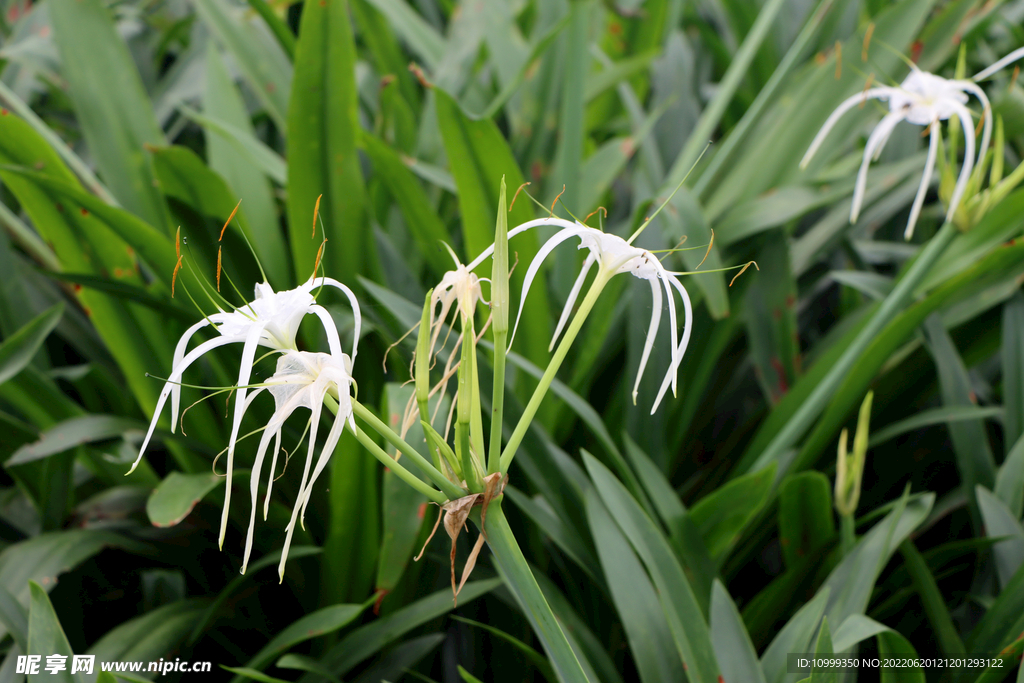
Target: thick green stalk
549, 373
389, 462
517, 576
847, 534
364, 414
818, 400
499, 328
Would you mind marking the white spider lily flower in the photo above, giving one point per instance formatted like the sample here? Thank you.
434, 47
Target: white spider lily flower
614, 255
459, 287
271, 320
1001, 64
923, 99
302, 380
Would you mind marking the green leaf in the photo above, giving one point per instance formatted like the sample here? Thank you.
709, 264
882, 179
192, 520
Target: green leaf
46, 637
17, 350
795, 636
173, 500
722, 515
245, 144
934, 604
685, 618
893, 645
42, 558
326, 620
934, 416
368, 639
222, 101
850, 584
1010, 479
420, 36
258, 55
323, 126
970, 443
14, 618
110, 101
403, 508
1013, 368
855, 629
270, 560
246, 672
150, 636
1000, 522
74, 432
806, 526
736, 655
535, 658
824, 650
770, 316
635, 599
427, 229
539, 511
401, 659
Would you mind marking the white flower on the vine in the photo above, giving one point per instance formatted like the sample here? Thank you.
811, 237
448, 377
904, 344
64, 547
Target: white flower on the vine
923, 99
614, 255
459, 287
302, 380
271, 320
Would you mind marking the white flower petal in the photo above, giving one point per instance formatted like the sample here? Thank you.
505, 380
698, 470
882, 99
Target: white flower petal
538, 260
845, 106
569, 302
652, 332
875, 140
926, 178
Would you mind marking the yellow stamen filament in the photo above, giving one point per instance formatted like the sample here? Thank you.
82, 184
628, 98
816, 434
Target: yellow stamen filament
218, 268
743, 270
552, 213
177, 252
316, 211
867, 41
319, 254
839, 60
516, 195
867, 86
708, 252
228, 221
600, 208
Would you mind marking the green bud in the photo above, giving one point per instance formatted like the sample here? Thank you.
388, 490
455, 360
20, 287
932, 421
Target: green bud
850, 469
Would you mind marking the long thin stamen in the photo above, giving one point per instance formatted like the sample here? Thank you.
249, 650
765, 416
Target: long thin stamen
516, 195
669, 198
708, 253
177, 265
867, 41
316, 212
552, 211
742, 270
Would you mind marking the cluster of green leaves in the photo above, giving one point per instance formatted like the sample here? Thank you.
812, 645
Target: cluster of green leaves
697, 540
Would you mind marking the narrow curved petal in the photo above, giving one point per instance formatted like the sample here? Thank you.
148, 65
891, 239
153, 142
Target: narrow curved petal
683, 343
553, 221
252, 340
845, 106
1005, 61
986, 131
569, 302
877, 137
333, 341
354, 303
171, 384
531, 272
325, 455
270, 475
179, 353
965, 173
652, 332
254, 481
294, 518
926, 178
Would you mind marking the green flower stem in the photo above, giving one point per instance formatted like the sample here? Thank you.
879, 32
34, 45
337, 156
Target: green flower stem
517, 576
385, 459
463, 425
819, 398
497, 401
367, 416
847, 534
549, 374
